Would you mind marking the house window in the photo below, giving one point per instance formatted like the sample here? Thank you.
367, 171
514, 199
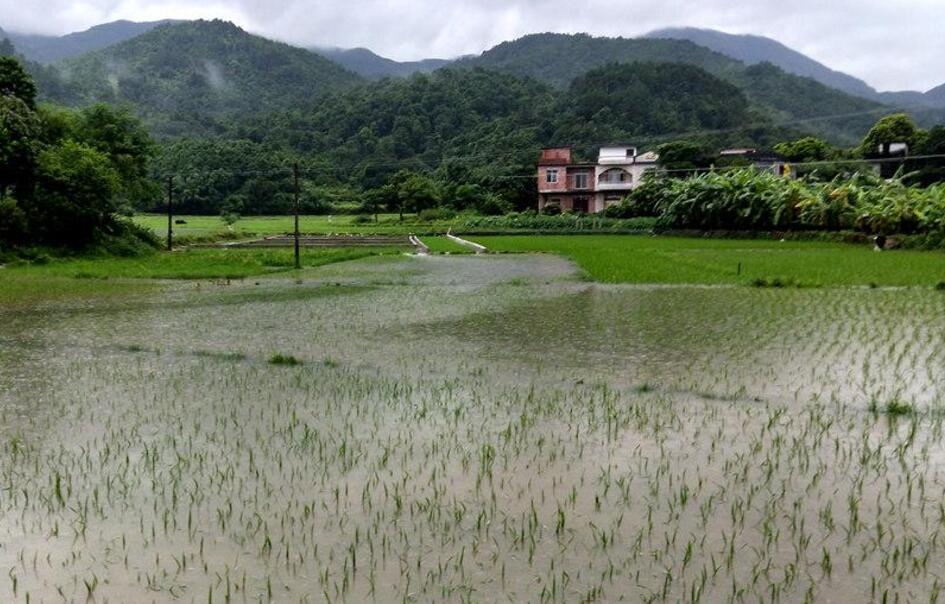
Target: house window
551, 176
616, 176
580, 180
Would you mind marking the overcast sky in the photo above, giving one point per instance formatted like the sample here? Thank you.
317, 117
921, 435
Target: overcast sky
891, 44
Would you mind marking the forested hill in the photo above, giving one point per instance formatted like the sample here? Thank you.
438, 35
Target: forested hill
752, 50
559, 58
466, 126
809, 104
189, 77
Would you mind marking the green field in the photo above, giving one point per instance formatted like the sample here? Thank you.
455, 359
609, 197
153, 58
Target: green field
103, 276
442, 245
211, 226
648, 259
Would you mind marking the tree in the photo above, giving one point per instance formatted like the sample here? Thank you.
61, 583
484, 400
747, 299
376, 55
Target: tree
896, 128
19, 128
417, 192
685, 155
15, 82
75, 195
931, 170
808, 149
128, 145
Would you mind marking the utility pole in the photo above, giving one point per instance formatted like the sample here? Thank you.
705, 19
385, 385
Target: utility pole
170, 213
298, 262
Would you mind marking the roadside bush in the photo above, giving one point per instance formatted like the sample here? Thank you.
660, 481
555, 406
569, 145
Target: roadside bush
564, 223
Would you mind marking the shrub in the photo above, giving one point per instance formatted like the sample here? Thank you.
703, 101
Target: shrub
551, 209
434, 214
284, 359
492, 205
361, 219
13, 223
564, 222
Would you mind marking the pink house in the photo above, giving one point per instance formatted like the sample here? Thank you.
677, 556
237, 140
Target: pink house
590, 187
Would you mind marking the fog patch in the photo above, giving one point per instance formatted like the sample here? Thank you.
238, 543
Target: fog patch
213, 74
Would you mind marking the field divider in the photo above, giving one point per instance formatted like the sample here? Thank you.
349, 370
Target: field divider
480, 249
422, 248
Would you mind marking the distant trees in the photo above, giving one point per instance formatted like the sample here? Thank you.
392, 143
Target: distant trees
622, 101
685, 155
807, 149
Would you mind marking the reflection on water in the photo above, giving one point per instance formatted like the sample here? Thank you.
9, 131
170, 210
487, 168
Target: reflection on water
472, 429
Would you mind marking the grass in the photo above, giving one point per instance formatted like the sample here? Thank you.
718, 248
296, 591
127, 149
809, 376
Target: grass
210, 226
25, 285
198, 263
444, 245
22, 287
647, 259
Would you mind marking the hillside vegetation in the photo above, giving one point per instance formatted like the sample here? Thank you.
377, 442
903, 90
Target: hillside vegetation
467, 126
561, 58
187, 76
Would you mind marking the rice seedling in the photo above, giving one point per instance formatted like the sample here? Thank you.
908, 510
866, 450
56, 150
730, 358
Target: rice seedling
467, 439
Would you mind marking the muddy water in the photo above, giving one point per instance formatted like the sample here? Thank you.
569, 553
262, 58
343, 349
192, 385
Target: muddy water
476, 429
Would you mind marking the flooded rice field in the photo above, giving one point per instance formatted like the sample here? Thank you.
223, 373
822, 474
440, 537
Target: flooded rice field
473, 429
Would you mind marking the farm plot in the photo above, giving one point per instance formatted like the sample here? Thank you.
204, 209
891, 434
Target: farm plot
473, 429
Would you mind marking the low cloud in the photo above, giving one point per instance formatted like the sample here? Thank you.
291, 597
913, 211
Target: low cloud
891, 45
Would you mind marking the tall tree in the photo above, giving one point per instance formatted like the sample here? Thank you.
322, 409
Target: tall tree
14, 81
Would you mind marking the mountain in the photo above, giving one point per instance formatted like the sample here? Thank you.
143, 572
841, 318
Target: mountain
559, 58
51, 49
809, 105
776, 95
752, 50
756, 49
374, 67
188, 76
937, 96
